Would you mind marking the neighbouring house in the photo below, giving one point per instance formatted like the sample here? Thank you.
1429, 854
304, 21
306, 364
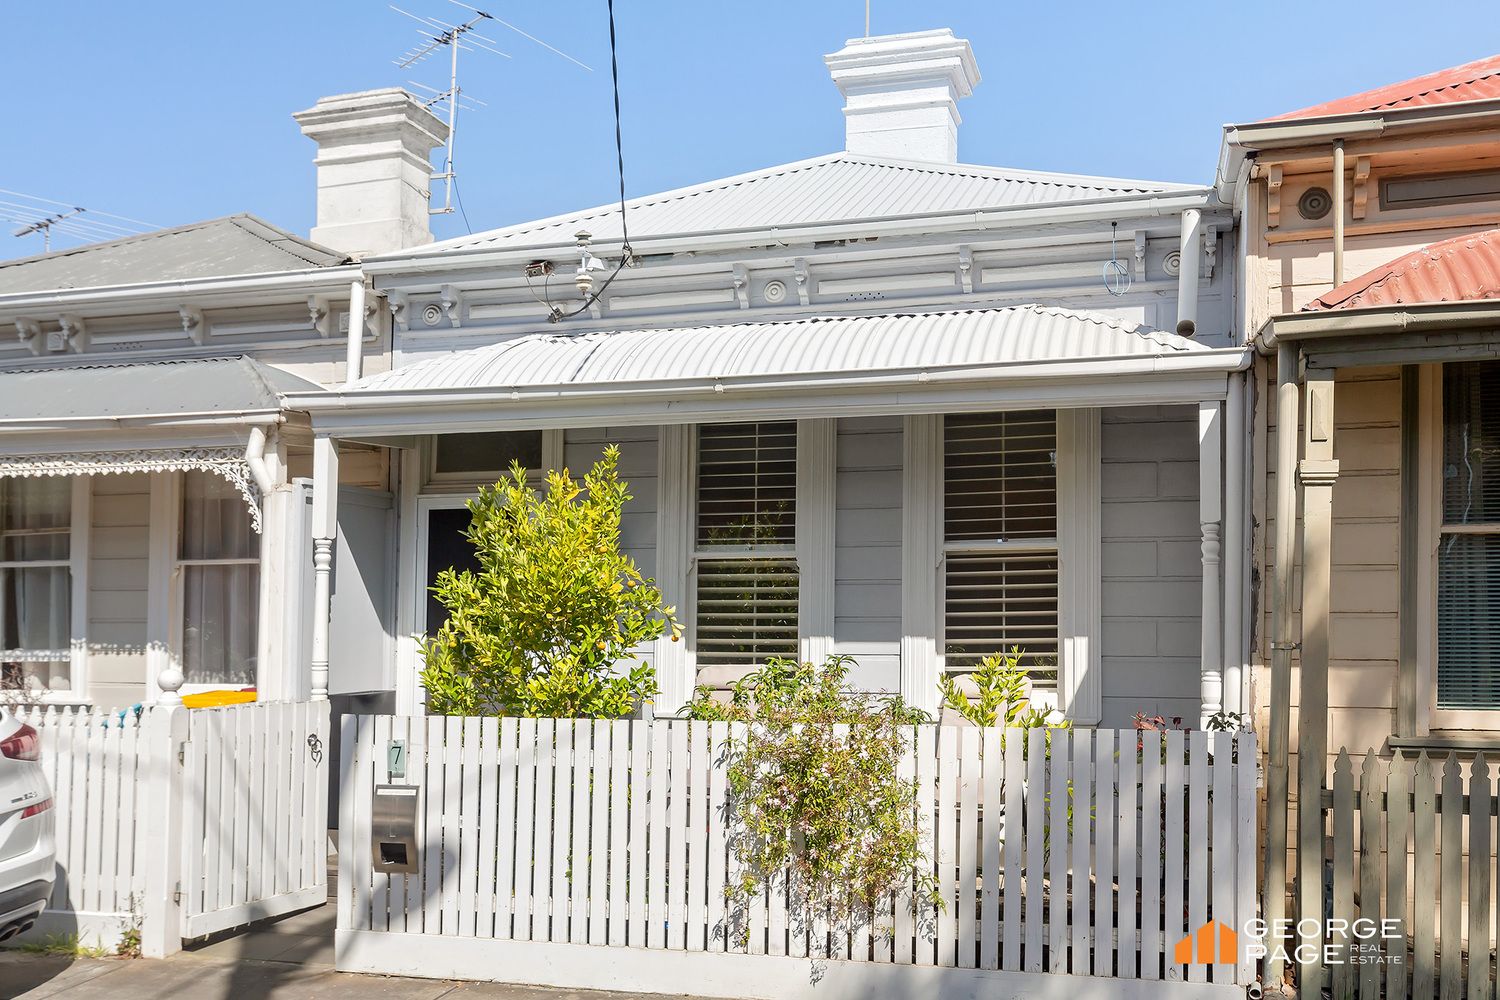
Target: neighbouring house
1372, 296
879, 402
152, 481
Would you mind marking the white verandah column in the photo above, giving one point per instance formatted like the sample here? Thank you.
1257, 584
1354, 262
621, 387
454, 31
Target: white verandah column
1210, 518
325, 527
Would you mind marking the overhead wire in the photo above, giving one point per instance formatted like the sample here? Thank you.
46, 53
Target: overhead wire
557, 314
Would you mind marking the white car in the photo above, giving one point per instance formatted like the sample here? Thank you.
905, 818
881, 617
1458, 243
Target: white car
27, 863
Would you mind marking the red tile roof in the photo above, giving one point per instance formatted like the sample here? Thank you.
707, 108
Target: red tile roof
1475, 81
1460, 269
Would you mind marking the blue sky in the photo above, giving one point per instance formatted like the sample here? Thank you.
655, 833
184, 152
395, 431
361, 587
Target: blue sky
170, 112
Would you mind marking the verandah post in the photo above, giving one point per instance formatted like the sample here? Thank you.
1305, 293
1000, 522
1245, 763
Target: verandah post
1318, 472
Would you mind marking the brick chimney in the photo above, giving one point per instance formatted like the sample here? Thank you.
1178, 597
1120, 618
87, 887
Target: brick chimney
374, 169
901, 93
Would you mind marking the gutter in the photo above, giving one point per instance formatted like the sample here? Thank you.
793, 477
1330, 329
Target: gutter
1240, 141
1154, 205
283, 281
221, 418
1433, 317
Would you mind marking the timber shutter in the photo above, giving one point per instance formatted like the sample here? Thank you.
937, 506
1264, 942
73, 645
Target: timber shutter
1000, 538
747, 579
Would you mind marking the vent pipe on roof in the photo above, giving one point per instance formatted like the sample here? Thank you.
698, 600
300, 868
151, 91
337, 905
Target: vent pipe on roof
901, 93
374, 171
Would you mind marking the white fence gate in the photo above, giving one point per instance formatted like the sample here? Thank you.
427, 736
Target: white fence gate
181, 823
255, 810
594, 854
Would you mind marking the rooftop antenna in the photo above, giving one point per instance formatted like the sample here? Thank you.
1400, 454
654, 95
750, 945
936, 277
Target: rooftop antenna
44, 226
437, 34
867, 18
454, 37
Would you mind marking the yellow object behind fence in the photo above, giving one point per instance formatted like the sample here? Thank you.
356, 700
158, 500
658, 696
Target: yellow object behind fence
218, 699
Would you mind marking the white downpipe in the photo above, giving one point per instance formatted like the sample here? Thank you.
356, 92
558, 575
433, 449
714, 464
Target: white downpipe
355, 358
1234, 547
1187, 273
1338, 213
255, 458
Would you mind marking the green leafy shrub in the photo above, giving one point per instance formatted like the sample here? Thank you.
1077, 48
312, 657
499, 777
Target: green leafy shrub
816, 792
1003, 695
549, 624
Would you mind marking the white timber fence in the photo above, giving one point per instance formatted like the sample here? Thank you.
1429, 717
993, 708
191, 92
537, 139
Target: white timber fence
595, 854
1412, 878
174, 824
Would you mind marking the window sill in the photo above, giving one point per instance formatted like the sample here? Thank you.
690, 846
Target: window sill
1452, 739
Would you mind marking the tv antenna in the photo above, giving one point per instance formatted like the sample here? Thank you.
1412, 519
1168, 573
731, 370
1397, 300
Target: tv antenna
44, 226
35, 214
439, 34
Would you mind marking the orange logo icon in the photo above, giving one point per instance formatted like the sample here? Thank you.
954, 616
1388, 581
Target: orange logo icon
1199, 946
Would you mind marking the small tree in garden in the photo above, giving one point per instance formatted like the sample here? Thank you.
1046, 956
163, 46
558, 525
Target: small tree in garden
816, 793
549, 625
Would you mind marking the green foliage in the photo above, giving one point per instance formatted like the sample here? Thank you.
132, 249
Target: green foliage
816, 793
1004, 695
65, 946
555, 610
1225, 722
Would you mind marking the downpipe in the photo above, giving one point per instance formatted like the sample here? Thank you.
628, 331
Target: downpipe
1254, 991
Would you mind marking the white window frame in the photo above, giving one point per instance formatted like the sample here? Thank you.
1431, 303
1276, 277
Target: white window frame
1078, 543
171, 535
434, 481
80, 517
1430, 536
814, 640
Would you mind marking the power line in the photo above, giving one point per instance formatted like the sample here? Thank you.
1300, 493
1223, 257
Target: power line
614, 74
146, 226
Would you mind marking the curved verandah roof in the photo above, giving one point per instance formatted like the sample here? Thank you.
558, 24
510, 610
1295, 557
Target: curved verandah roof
1018, 356
1461, 269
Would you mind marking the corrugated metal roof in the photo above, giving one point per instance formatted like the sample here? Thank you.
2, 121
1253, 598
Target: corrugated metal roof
1461, 269
1475, 81
235, 245
161, 388
833, 188
1014, 335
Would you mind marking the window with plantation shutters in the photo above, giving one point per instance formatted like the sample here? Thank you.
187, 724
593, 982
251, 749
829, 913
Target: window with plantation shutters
1000, 587
1468, 575
745, 555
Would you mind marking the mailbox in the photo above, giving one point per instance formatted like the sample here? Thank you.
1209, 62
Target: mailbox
393, 840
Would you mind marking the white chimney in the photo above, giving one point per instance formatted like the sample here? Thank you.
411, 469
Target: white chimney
374, 169
901, 93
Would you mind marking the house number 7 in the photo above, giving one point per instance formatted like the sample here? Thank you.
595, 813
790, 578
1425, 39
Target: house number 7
395, 759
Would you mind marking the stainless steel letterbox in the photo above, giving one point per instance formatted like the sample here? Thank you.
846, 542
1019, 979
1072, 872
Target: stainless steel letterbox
393, 840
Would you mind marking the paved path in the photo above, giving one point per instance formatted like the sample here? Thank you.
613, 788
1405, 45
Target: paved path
288, 959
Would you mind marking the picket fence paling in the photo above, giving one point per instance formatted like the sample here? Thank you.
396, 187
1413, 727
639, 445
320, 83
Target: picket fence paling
1074, 851
1414, 842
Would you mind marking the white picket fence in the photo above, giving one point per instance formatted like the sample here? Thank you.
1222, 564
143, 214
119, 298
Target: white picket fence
594, 854
97, 766
179, 823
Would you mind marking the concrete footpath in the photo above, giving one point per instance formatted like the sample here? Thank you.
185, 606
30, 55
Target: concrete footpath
287, 959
